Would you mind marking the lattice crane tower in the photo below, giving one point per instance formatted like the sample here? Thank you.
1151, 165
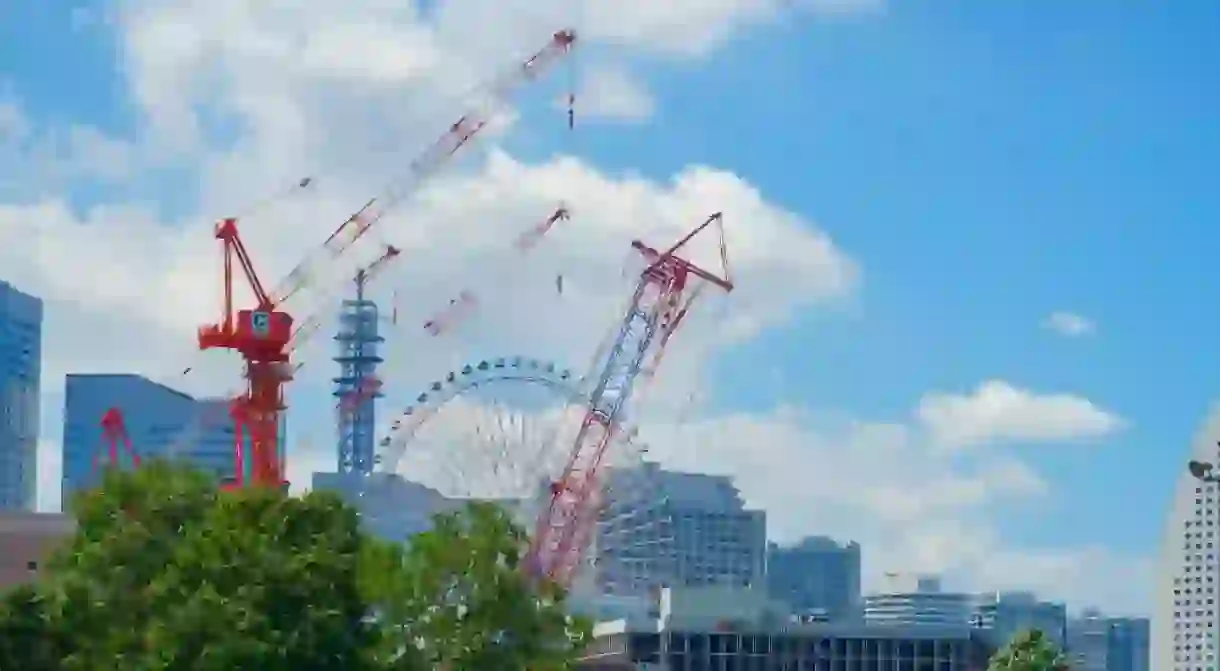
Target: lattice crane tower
666, 290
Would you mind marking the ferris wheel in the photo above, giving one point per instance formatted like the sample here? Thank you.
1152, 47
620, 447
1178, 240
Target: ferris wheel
490, 430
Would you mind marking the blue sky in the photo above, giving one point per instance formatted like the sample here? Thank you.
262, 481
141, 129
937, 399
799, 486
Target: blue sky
987, 163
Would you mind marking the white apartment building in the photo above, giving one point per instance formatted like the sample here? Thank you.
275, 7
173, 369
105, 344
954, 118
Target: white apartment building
1184, 624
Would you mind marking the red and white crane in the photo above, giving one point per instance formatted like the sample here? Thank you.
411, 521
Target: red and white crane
666, 290
466, 301
116, 442
263, 334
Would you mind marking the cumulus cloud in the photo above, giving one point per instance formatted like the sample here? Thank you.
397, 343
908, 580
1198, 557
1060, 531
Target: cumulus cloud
610, 93
1069, 324
996, 411
243, 99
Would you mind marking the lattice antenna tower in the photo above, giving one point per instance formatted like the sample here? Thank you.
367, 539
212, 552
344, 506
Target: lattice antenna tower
358, 387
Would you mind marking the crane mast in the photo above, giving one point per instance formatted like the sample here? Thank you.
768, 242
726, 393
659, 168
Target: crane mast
563, 530
264, 335
114, 434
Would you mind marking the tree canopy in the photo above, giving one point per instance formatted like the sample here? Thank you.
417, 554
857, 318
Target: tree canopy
1029, 651
165, 572
458, 595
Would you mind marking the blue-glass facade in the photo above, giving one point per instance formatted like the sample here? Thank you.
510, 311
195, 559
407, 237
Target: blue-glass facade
20, 382
664, 527
162, 422
1002, 616
817, 577
1128, 644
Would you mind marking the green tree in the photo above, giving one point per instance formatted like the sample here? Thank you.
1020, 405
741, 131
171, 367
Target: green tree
167, 573
1029, 651
457, 594
28, 639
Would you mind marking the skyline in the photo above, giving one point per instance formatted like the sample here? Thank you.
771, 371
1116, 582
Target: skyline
972, 305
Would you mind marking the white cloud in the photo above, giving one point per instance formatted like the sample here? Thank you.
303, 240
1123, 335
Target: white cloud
1069, 324
912, 506
996, 411
250, 97
611, 93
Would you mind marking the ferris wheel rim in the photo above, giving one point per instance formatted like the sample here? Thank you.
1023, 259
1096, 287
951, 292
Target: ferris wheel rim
467, 378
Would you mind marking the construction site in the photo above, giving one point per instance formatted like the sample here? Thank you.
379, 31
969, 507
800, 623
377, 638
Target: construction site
563, 493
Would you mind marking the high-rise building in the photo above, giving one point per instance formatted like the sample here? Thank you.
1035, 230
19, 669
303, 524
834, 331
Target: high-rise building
817, 577
1185, 625
1127, 644
920, 603
666, 528
1100, 643
161, 422
20, 386
1003, 615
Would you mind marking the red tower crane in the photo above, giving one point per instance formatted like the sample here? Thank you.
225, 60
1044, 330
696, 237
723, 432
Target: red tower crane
263, 335
661, 302
114, 436
466, 301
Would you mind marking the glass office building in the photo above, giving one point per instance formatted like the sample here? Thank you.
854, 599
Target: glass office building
161, 422
1003, 615
818, 578
20, 386
671, 528
924, 604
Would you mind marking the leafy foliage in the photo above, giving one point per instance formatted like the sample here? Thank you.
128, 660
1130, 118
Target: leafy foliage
27, 638
1029, 651
458, 595
167, 573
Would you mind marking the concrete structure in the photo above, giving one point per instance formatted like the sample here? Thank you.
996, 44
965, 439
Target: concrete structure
26, 541
20, 387
1185, 624
918, 600
1003, 615
733, 628
817, 577
161, 421
665, 528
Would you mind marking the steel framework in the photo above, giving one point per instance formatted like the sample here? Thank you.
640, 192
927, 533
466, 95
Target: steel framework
658, 307
358, 386
116, 440
264, 335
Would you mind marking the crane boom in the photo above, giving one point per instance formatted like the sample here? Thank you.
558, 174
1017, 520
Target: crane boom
459, 134
562, 531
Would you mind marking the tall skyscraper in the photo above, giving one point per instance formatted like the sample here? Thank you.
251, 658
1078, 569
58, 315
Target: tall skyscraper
816, 577
665, 528
1128, 644
1185, 625
918, 600
162, 422
1088, 641
1100, 643
20, 386
1004, 615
